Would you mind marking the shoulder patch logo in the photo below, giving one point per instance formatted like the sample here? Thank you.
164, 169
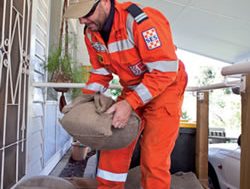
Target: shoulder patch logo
151, 38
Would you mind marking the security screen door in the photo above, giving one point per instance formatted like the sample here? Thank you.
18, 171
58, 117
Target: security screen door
14, 69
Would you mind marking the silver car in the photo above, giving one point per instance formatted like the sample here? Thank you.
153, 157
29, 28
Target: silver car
224, 165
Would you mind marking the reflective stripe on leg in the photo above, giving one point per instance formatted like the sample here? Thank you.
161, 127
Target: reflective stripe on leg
116, 177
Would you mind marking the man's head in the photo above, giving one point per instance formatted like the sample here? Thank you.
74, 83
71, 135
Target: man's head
92, 13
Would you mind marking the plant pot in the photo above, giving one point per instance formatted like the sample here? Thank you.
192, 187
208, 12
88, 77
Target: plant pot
60, 77
79, 151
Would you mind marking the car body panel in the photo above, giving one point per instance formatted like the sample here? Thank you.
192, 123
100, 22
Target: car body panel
225, 159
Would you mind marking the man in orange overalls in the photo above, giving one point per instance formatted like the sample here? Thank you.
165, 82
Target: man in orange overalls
136, 44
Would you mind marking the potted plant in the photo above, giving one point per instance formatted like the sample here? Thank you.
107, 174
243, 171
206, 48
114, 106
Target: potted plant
60, 64
60, 67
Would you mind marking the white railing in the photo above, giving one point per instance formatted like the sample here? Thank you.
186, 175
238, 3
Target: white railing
240, 68
68, 85
116, 86
221, 85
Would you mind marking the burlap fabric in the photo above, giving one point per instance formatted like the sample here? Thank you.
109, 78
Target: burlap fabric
85, 119
44, 182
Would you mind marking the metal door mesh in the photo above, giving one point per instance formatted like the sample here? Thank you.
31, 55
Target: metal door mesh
14, 70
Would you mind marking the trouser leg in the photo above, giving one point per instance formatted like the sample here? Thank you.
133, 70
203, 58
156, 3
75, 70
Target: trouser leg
159, 135
113, 166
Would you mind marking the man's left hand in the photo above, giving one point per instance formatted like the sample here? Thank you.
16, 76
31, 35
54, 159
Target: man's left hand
122, 111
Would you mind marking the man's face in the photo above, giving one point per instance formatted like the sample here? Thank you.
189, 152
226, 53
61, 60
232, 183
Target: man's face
96, 18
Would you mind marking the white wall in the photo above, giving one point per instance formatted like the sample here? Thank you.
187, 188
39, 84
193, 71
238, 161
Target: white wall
82, 53
39, 49
47, 142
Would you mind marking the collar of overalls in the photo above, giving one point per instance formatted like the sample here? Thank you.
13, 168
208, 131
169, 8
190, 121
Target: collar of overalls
105, 32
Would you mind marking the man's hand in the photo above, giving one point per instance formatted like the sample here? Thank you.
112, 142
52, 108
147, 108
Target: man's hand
122, 111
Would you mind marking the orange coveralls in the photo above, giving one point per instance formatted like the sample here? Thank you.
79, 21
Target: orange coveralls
153, 80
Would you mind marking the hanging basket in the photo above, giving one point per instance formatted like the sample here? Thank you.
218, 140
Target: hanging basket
62, 74
60, 77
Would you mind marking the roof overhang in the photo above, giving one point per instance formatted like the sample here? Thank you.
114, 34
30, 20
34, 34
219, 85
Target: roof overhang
218, 29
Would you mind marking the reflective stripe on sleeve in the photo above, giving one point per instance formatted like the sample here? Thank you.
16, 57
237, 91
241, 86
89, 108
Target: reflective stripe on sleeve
116, 177
143, 93
89, 36
132, 87
100, 71
129, 26
163, 66
140, 17
95, 87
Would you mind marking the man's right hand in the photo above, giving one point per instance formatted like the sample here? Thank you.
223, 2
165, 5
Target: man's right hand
121, 111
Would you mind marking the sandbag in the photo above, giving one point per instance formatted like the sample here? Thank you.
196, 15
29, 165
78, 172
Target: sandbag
44, 182
86, 121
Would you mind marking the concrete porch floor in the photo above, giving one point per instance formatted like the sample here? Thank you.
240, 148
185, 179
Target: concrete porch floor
68, 167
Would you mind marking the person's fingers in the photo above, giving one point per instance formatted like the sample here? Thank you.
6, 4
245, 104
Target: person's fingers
118, 124
122, 125
115, 123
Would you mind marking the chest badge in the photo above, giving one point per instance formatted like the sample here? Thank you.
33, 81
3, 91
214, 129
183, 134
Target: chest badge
100, 58
99, 47
151, 38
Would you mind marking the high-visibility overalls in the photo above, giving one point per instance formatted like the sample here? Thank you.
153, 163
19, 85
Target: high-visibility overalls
141, 52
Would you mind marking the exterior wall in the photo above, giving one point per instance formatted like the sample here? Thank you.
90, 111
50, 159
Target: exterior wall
39, 49
47, 141
56, 140
82, 53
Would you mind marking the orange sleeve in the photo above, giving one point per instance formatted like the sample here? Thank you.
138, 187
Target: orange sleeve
98, 81
153, 40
